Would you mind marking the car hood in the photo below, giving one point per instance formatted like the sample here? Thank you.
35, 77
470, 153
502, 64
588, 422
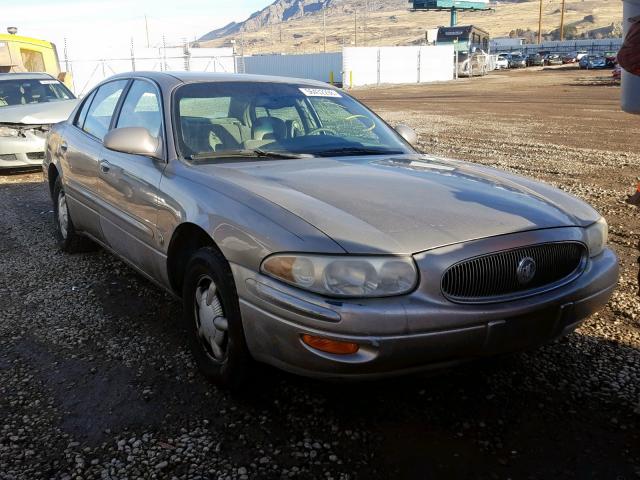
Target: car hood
405, 204
38, 113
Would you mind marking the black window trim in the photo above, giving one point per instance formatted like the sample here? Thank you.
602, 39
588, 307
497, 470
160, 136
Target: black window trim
87, 101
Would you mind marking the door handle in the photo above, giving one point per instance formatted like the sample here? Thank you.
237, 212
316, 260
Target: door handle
105, 166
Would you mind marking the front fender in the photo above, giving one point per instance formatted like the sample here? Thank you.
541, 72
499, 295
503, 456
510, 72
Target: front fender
245, 227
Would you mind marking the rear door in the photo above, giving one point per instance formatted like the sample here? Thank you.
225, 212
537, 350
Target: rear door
129, 184
80, 151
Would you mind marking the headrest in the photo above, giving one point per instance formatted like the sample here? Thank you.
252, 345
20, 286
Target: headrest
269, 128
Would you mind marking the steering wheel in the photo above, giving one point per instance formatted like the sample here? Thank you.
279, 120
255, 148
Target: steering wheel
353, 117
322, 129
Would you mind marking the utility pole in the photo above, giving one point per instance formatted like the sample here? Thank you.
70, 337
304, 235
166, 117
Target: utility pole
366, 15
66, 56
562, 22
540, 25
324, 27
355, 29
146, 27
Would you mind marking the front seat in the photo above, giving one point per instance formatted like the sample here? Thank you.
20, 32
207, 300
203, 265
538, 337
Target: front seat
269, 128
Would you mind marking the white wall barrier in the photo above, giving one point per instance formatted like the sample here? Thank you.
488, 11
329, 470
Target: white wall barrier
324, 67
376, 65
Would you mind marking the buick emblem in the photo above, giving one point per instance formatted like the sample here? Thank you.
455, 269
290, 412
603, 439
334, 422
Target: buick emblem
526, 270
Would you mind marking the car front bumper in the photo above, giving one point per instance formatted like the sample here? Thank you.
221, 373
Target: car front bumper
21, 152
408, 334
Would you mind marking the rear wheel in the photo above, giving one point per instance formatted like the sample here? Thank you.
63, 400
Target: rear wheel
68, 240
213, 320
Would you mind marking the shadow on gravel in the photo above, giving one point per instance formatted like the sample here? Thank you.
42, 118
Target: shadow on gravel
560, 411
91, 400
604, 81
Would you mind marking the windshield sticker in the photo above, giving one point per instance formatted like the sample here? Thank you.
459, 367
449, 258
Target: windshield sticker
320, 92
49, 82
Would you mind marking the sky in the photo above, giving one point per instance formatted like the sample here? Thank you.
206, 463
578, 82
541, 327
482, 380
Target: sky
92, 26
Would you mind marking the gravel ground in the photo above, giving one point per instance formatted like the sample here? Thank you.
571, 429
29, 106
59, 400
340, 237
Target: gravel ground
96, 382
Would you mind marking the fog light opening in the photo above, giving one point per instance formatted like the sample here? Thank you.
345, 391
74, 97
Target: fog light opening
330, 346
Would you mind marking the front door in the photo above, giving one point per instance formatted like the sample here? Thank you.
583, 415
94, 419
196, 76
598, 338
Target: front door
128, 185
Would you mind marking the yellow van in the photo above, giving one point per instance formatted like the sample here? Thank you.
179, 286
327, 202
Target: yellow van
24, 54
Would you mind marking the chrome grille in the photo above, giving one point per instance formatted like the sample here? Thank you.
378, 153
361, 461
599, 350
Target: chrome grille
494, 277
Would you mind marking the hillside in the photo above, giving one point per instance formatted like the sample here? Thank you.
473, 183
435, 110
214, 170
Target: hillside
296, 26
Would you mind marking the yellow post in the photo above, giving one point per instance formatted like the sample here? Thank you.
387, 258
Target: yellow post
331, 77
350, 78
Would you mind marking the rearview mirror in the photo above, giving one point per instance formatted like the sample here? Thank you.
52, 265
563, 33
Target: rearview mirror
133, 140
408, 133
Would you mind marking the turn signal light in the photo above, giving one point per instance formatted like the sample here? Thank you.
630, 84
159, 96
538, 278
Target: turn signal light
330, 346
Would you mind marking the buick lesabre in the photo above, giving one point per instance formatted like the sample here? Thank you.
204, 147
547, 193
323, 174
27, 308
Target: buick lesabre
300, 230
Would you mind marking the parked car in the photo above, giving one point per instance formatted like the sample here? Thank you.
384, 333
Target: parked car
534, 60
591, 62
610, 58
29, 104
517, 61
553, 59
568, 58
301, 230
502, 61
617, 72
581, 54
472, 64
544, 53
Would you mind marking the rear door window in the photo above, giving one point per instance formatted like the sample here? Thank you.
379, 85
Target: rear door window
101, 110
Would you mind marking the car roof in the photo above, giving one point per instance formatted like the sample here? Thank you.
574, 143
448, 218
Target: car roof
25, 76
196, 77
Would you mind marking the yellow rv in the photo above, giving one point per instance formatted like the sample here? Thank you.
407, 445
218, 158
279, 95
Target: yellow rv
24, 54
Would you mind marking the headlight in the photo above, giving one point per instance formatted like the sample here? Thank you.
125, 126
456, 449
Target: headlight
344, 276
9, 132
597, 237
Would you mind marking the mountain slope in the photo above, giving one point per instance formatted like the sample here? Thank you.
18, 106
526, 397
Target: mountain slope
285, 10
297, 26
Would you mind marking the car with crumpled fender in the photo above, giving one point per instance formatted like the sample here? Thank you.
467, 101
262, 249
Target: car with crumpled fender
300, 230
29, 104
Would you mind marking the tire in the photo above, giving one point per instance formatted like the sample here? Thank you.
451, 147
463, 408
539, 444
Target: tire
69, 241
211, 311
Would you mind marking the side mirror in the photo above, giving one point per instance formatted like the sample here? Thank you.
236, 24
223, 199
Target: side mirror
133, 140
408, 133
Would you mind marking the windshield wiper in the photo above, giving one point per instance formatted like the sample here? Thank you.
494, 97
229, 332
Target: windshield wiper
256, 153
358, 151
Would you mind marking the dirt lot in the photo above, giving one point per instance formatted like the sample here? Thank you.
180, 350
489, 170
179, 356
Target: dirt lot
95, 380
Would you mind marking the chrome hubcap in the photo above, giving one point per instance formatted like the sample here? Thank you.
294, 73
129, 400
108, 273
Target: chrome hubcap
211, 323
63, 214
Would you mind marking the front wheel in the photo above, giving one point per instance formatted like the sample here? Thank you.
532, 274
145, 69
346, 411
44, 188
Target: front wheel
213, 321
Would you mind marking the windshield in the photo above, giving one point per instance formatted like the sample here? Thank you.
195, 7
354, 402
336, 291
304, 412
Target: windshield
25, 92
217, 117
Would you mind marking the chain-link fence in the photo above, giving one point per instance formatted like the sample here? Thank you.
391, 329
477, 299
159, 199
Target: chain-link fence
87, 72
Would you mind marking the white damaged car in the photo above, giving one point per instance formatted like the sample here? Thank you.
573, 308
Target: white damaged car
29, 104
